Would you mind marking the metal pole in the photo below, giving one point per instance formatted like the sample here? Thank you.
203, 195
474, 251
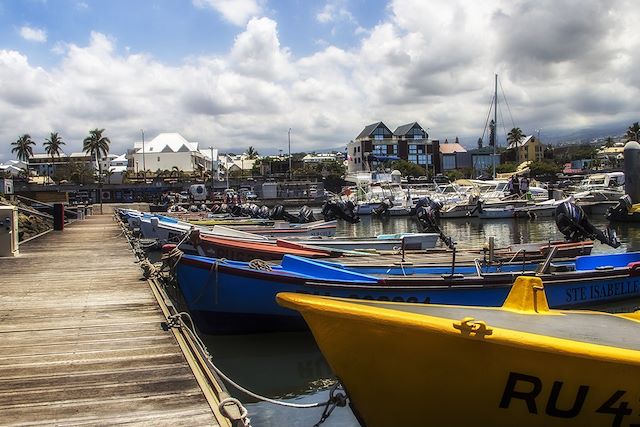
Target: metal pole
144, 165
290, 170
495, 126
211, 148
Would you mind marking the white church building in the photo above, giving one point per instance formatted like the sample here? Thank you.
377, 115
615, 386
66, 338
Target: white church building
168, 150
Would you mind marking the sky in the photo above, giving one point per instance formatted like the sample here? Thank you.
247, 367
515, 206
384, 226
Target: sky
238, 73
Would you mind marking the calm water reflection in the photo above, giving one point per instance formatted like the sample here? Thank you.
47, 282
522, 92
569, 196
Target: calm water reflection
290, 366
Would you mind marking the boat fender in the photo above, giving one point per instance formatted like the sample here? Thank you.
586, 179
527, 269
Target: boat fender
168, 248
634, 269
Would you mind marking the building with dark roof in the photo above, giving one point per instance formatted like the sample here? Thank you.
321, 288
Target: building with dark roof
377, 145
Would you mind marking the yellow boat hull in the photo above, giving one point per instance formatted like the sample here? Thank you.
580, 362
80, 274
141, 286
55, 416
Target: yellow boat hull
404, 369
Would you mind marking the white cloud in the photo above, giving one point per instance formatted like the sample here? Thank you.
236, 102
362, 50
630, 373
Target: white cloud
33, 34
238, 12
431, 62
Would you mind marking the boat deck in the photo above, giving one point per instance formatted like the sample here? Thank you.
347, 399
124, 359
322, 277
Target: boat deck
80, 337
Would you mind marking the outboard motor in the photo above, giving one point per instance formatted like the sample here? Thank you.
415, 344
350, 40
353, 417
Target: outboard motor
478, 207
422, 202
215, 209
236, 210
621, 210
277, 213
574, 224
264, 212
384, 207
429, 218
344, 210
252, 210
305, 215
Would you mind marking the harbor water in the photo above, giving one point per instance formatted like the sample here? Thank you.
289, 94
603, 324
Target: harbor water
289, 366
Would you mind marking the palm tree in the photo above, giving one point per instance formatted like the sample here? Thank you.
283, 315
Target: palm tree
252, 153
53, 146
633, 132
514, 136
98, 146
608, 142
23, 147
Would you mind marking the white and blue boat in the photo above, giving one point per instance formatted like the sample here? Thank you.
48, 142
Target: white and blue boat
232, 296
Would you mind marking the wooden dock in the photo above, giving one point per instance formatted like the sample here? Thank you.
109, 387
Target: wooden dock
80, 338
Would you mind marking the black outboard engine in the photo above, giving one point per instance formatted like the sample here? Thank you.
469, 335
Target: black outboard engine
276, 213
252, 210
305, 215
344, 210
422, 202
264, 212
574, 224
215, 209
384, 207
620, 211
428, 215
236, 210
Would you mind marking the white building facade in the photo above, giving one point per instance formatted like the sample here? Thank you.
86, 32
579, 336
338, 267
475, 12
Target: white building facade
169, 150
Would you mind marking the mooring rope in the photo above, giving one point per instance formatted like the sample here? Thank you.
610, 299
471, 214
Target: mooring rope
176, 321
337, 397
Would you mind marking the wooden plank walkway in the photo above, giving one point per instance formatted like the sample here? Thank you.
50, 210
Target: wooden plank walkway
80, 337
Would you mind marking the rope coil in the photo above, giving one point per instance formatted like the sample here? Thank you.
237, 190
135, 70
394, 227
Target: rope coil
258, 264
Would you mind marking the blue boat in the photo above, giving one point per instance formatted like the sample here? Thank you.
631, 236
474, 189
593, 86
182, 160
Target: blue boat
232, 296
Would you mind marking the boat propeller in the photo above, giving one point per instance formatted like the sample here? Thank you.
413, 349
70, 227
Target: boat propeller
574, 224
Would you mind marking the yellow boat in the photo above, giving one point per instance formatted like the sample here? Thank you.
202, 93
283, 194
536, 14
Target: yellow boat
516, 365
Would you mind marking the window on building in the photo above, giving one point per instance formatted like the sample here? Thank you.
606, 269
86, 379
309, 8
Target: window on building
422, 159
448, 162
416, 133
381, 133
412, 158
379, 149
395, 149
413, 149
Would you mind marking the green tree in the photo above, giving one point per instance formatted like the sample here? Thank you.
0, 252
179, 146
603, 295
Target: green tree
97, 146
408, 168
546, 168
608, 142
53, 146
252, 153
506, 167
633, 132
514, 137
22, 147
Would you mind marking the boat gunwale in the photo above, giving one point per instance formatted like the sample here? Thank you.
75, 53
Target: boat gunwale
362, 310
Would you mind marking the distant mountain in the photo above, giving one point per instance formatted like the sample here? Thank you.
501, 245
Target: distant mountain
583, 136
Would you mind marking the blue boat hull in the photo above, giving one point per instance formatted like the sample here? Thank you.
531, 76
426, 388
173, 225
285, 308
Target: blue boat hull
228, 297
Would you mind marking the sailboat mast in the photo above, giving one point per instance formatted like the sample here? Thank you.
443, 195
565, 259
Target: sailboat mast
495, 125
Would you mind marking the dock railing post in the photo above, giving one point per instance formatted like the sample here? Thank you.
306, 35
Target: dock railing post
58, 216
